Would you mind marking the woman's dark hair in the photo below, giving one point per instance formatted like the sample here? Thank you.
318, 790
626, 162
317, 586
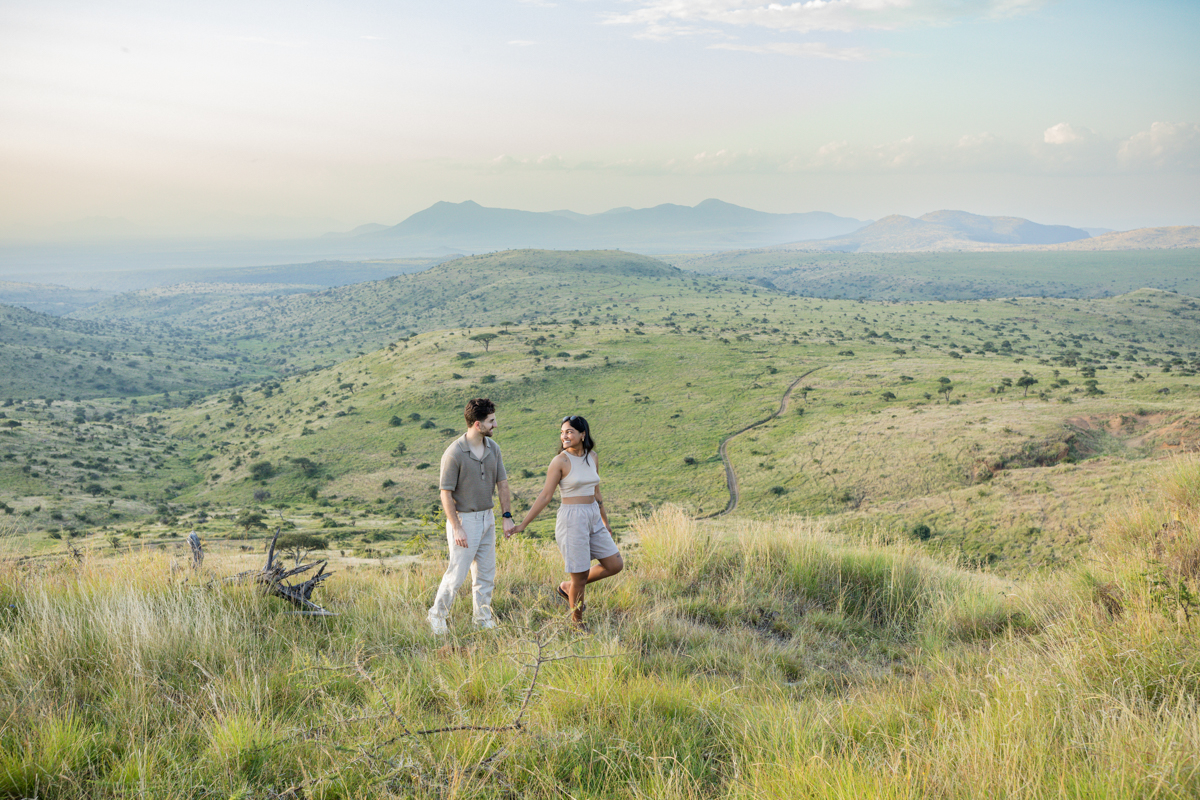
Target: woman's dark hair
580, 424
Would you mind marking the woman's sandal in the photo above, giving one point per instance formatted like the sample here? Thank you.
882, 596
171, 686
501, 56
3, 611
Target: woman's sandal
567, 597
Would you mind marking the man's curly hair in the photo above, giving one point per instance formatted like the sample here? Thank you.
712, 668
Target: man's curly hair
478, 409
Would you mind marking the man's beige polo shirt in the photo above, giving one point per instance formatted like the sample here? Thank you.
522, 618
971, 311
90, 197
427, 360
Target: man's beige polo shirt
471, 481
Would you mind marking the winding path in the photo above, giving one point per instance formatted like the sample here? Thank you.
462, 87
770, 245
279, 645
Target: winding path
731, 476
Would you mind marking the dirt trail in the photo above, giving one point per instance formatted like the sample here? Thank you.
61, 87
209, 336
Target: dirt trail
731, 476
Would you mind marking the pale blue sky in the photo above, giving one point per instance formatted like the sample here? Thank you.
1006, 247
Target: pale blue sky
288, 118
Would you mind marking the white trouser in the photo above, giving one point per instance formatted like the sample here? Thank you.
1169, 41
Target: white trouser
479, 556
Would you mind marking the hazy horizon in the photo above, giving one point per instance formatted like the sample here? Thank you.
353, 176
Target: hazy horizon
141, 121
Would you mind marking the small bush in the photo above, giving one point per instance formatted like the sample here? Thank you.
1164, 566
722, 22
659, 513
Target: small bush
261, 470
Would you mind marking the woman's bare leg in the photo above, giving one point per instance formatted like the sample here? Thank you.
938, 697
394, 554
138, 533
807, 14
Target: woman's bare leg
605, 568
576, 585
575, 589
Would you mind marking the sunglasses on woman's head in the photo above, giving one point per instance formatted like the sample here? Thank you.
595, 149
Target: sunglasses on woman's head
571, 418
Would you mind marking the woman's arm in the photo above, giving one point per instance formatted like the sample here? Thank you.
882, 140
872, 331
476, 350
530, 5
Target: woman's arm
599, 497
554, 474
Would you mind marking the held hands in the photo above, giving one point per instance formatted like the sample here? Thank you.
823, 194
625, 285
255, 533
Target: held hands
509, 527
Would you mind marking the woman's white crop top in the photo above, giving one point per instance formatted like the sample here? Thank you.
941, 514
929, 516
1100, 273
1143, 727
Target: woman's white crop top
583, 478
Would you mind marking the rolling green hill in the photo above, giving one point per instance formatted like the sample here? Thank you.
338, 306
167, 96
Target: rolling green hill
1047, 411
1006, 427
956, 276
322, 328
42, 356
846, 612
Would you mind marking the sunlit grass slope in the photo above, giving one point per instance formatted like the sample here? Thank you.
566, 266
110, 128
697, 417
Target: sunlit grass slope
996, 470
521, 285
956, 276
43, 356
996, 430
916, 416
741, 659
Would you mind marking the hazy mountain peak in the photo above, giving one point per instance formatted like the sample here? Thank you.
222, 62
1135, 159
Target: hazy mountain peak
950, 230
713, 202
668, 227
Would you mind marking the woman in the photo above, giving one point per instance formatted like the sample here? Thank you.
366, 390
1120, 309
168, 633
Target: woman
582, 528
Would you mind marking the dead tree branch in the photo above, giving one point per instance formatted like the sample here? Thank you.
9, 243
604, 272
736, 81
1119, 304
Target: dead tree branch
420, 765
273, 575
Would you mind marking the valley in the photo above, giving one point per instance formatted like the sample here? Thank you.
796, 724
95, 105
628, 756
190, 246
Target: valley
999, 430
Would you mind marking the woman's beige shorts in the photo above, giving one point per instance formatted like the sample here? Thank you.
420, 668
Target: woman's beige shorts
581, 536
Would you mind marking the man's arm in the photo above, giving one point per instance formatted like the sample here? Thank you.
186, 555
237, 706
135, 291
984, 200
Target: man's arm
460, 536
506, 507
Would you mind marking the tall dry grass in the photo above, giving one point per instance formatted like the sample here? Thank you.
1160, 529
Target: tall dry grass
771, 659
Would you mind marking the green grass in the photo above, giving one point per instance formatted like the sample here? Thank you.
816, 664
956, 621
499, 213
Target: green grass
665, 364
730, 659
1051, 461
42, 356
1038, 642
991, 474
956, 276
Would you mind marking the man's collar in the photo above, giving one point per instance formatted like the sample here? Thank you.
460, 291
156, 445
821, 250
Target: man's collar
465, 446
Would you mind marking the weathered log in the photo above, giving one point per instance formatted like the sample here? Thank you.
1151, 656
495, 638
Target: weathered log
197, 550
273, 575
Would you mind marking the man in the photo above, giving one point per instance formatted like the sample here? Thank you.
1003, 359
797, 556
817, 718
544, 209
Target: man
471, 469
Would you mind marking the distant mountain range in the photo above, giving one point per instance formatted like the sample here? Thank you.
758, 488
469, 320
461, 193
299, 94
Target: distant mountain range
1174, 237
711, 225
446, 229
944, 230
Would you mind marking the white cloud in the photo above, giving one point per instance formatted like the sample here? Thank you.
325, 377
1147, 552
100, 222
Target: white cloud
1064, 149
1167, 145
272, 42
1062, 133
803, 50
548, 162
840, 156
662, 18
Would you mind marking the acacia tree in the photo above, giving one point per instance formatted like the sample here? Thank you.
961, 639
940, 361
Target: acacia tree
1025, 381
484, 338
251, 519
298, 545
945, 387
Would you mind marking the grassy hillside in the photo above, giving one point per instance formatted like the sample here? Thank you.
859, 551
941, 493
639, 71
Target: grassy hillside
746, 660
957, 276
326, 327
1048, 411
998, 431
960, 567
42, 356
48, 299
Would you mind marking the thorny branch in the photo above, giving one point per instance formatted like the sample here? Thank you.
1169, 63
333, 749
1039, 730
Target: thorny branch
543, 652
